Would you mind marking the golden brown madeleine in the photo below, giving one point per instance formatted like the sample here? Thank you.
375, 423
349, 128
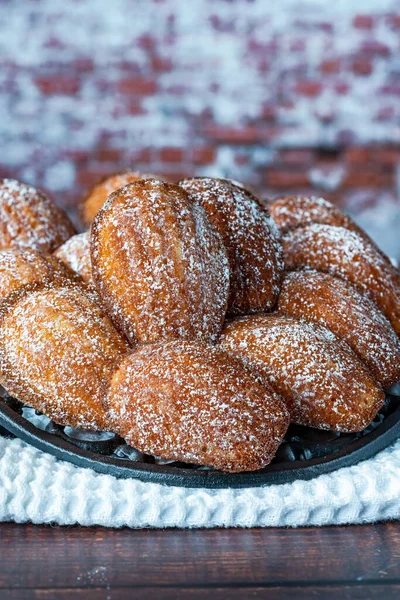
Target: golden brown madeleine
160, 267
95, 198
190, 402
251, 240
57, 351
75, 254
351, 316
350, 256
22, 267
29, 219
290, 212
321, 380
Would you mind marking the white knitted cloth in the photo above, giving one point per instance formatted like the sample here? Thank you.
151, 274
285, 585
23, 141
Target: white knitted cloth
34, 486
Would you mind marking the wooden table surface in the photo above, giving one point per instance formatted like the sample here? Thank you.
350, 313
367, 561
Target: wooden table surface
72, 562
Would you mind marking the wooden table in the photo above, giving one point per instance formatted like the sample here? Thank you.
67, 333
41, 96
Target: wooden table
333, 562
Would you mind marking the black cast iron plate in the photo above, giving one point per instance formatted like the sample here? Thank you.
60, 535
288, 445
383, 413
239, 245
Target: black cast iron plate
305, 453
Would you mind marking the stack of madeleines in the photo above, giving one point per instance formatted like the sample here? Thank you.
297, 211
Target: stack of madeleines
192, 321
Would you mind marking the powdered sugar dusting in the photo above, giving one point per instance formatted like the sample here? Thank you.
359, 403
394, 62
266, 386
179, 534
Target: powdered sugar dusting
75, 253
96, 197
22, 267
161, 269
28, 219
191, 402
350, 256
337, 305
57, 352
322, 382
290, 212
250, 237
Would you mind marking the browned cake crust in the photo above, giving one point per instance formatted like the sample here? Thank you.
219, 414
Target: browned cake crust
160, 267
351, 316
321, 380
95, 198
57, 351
290, 212
190, 402
251, 240
75, 254
22, 267
30, 220
347, 255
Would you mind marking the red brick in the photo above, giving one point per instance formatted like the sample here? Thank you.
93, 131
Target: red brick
7, 173
78, 156
281, 178
268, 112
309, 88
268, 47
175, 174
249, 134
264, 65
86, 178
108, 155
142, 156
161, 65
394, 21
387, 156
203, 156
245, 135
392, 89
296, 157
367, 178
137, 86
242, 159
173, 155
222, 24
134, 107
146, 41
342, 87
328, 27
374, 48
385, 113
331, 66
361, 67
133, 68
83, 65
363, 22
58, 85
357, 155
298, 45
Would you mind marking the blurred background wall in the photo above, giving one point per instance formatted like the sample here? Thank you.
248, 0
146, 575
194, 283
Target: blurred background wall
288, 95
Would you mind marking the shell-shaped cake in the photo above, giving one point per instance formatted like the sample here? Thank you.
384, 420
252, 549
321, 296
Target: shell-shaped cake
250, 237
19, 268
191, 402
95, 198
57, 352
290, 212
30, 220
348, 255
160, 267
351, 316
321, 380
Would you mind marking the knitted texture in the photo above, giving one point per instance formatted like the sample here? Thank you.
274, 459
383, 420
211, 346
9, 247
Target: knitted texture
36, 487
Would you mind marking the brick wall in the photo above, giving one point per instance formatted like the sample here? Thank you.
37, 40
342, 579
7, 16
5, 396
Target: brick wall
287, 95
